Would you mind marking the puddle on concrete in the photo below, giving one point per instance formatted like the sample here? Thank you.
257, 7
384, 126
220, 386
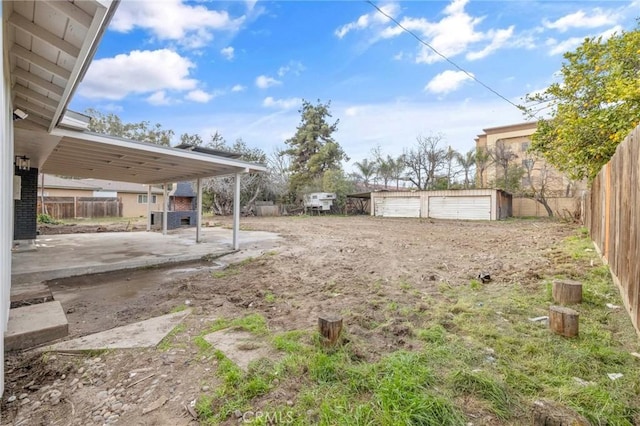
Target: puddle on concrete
124, 285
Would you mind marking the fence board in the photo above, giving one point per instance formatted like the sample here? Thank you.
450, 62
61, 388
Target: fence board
81, 207
612, 215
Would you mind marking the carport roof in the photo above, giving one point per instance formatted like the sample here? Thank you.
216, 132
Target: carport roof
91, 155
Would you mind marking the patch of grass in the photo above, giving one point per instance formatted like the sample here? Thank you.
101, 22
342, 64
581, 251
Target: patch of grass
289, 341
269, 297
178, 308
233, 269
167, 342
475, 284
485, 387
253, 323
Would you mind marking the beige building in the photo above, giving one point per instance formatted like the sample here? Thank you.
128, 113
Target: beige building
132, 196
513, 142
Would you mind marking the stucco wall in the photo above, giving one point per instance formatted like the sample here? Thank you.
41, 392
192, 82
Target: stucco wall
561, 206
131, 207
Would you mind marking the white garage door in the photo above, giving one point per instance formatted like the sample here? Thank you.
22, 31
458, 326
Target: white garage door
398, 207
469, 208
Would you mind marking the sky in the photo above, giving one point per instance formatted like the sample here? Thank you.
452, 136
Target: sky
242, 68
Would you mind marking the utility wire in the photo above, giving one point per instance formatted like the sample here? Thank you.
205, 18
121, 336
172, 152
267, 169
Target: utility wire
471, 76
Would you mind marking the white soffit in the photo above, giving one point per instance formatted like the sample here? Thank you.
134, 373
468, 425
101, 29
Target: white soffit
90, 155
50, 45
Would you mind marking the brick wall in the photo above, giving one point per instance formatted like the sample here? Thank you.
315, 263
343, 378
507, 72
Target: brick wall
181, 204
25, 209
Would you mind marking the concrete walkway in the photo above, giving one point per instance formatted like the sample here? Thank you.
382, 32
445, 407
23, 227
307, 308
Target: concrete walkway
60, 256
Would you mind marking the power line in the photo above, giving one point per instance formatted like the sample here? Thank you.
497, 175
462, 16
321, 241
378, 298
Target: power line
471, 76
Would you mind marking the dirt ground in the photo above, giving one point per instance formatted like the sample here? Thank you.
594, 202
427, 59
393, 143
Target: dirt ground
342, 265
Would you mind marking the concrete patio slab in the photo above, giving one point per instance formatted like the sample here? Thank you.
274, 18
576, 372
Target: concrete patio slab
67, 255
241, 347
143, 334
34, 325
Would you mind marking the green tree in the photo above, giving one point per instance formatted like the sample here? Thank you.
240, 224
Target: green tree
193, 139
334, 180
312, 149
482, 162
467, 161
365, 170
111, 124
596, 105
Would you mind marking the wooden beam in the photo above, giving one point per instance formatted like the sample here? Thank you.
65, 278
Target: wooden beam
40, 33
33, 95
38, 81
73, 12
40, 62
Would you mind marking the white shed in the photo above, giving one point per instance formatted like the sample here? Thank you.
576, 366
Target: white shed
463, 204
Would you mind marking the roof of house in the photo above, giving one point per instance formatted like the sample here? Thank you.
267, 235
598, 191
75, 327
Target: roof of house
511, 127
53, 181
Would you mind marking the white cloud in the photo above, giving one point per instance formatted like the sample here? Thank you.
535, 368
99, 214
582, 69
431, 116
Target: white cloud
580, 19
136, 72
199, 96
372, 18
159, 98
454, 34
447, 81
351, 111
498, 39
189, 25
228, 53
293, 67
289, 103
238, 88
264, 82
560, 47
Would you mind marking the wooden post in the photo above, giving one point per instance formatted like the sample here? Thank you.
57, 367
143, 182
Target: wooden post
563, 321
566, 292
330, 328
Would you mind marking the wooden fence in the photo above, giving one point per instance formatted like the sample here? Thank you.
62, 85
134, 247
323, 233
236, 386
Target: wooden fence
81, 207
612, 214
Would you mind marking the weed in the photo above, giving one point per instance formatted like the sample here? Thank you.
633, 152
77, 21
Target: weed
178, 308
269, 297
166, 343
475, 284
254, 323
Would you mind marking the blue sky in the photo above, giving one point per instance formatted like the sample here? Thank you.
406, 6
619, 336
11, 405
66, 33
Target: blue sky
242, 67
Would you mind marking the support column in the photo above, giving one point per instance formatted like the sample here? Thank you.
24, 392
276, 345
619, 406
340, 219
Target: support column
199, 212
165, 208
236, 212
148, 208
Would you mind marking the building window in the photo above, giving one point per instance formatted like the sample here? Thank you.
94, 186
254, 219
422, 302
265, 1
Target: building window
142, 199
527, 163
526, 182
524, 147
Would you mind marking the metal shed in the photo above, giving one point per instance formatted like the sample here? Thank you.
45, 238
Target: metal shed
464, 204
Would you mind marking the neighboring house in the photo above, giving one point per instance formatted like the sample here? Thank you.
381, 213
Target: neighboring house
131, 196
516, 140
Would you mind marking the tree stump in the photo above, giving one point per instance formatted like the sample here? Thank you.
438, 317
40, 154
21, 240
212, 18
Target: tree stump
547, 413
566, 292
330, 328
563, 321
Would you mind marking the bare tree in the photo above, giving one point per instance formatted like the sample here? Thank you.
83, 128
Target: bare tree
538, 181
450, 156
425, 160
503, 157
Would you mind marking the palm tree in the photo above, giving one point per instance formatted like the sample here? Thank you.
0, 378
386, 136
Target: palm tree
466, 161
483, 161
366, 169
